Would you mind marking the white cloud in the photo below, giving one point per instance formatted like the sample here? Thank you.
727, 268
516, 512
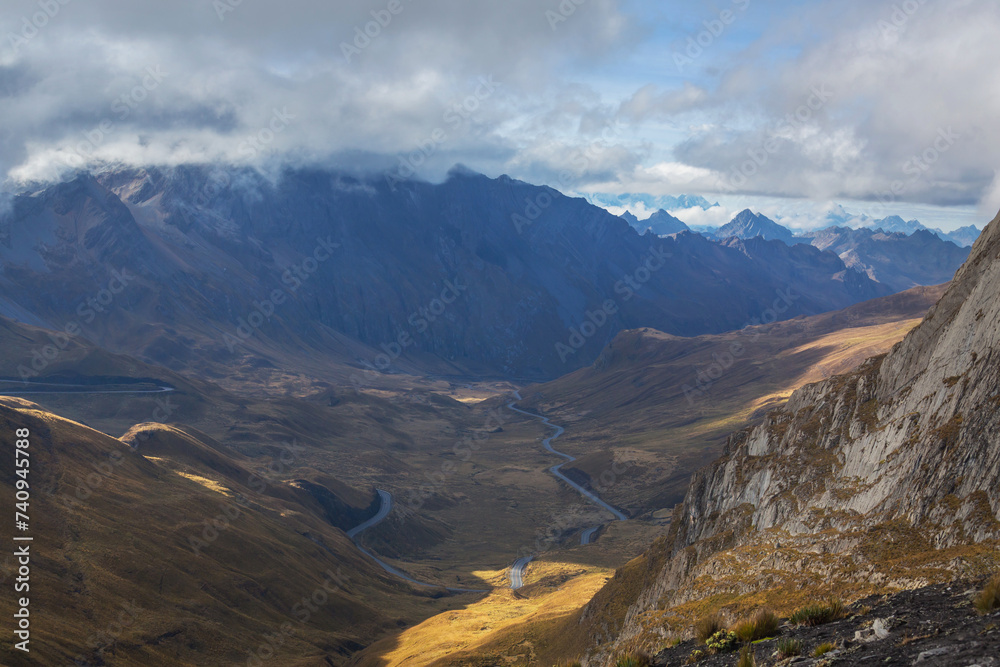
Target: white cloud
834, 98
878, 88
225, 77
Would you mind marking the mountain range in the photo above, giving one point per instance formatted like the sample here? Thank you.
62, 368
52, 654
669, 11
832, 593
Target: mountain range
908, 256
962, 237
312, 415
195, 267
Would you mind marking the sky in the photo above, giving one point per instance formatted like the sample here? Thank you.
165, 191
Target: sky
790, 108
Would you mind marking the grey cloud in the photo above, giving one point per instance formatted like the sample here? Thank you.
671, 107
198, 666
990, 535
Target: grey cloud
900, 81
228, 76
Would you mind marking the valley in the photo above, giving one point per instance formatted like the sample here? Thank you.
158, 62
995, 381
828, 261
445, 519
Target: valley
474, 334
484, 508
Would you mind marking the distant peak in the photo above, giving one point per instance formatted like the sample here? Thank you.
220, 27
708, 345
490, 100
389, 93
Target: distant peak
461, 171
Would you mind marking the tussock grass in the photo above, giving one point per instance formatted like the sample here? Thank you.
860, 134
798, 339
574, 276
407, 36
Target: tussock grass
763, 624
747, 658
988, 599
823, 649
818, 614
789, 648
708, 626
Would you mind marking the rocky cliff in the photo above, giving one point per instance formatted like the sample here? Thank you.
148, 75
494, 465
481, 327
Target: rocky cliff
899, 260
888, 477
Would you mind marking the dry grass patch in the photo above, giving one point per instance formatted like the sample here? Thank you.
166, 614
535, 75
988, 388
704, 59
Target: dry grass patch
505, 622
988, 599
708, 626
763, 624
818, 614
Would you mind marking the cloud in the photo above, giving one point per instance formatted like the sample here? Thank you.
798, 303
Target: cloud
649, 101
380, 79
894, 102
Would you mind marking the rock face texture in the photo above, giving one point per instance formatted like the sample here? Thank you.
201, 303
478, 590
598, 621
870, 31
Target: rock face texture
899, 260
748, 225
898, 460
662, 224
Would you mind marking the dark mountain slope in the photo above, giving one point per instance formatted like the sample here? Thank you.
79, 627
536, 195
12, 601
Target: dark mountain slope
177, 556
475, 274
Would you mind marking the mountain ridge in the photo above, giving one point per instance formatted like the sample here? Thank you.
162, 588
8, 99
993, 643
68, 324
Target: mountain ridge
215, 251
834, 472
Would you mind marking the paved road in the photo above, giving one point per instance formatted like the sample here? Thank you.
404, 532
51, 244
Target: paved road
592, 497
382, 513
517, 571
587, 536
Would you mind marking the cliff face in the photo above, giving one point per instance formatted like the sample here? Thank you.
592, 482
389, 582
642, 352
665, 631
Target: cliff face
899, 260
879, 477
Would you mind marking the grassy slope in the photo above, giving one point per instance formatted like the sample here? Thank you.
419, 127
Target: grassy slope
622, 398
128, 541
631, 405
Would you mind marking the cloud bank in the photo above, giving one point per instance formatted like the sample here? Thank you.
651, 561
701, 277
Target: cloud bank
890, 102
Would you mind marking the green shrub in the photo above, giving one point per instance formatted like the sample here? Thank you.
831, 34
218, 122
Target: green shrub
747, 658
988, 599
818, 614
696, 655
761, 625
823, 649
708, 626
722, 641
789, 648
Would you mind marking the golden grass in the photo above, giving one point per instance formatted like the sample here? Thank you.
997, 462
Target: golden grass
841, 351
496, 625
209, 484
761, 625
706, 627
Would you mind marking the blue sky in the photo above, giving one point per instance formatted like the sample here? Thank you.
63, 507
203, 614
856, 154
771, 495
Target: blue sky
787, 107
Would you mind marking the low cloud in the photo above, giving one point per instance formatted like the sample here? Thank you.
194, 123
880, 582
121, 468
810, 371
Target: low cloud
892, 102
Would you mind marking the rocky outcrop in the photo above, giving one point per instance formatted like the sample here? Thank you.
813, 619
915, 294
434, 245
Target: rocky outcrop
858, 473
932, 626
899, 260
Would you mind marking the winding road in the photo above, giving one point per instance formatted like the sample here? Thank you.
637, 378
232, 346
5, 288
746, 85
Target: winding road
517, 570
382, 513
587, 536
